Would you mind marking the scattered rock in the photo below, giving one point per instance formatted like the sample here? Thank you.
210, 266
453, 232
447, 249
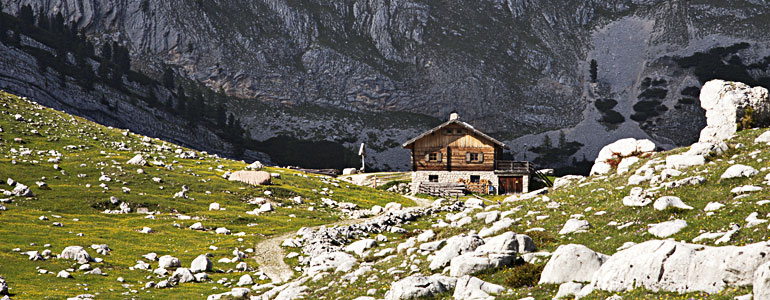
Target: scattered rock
637, 197
245, 280
615, 152
420, 286
137, 160
251, 177
574, 225
736, 171
455, 246
168, 261
469, 287
64, 274
76, 253
572, 263
496, 252
566, 181
197, 226
726, 103
670, 201
336, 261
681, 161
666, 229
568, 289
202, 263
182, 275
360, 246
681, 267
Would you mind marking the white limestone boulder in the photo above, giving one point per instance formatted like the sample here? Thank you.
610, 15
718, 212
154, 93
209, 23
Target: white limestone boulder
472, 288
137, 160
202, 263
420, 286
681, 161
332, 261
666, 229
761, 282
358, 247
455, 246
726, 104
680, 267
670, 201
496, 251
76, 253
168, 261
615, 152
763, 138
637, 197
737, 171
574, 225
566, 180
571, 262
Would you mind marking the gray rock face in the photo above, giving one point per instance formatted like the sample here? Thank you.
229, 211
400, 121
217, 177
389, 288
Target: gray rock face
726, 104
408, 56
679, 267
418, 286
572, 263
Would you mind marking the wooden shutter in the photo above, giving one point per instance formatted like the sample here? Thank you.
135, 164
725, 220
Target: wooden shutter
438, 156
467, 157
427, 157
481, 157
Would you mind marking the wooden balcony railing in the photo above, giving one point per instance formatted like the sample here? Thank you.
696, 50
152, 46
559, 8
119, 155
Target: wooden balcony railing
518, 167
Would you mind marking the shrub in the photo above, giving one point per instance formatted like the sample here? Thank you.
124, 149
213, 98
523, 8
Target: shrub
542, 239
604, 105
524, 275
612, 117
747, 121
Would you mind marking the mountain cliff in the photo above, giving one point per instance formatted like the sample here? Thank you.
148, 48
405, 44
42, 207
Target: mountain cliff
518, 69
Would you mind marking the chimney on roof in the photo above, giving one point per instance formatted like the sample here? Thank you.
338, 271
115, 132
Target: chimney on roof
454, 116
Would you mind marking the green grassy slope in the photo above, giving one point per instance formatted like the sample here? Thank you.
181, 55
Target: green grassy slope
96, 153
602, 194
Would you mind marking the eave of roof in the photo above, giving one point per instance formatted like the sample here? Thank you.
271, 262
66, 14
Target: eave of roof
458, 122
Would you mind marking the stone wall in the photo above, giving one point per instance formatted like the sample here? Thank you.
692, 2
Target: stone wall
455, 176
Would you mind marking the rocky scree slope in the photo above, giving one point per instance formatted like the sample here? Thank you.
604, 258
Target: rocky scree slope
663, 225
513, 68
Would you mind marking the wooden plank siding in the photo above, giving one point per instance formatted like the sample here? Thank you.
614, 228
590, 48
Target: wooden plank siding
453, 148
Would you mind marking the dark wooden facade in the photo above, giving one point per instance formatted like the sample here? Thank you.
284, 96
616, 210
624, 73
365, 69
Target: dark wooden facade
454, 147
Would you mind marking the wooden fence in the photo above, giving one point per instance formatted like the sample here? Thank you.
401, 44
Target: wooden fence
439, 189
